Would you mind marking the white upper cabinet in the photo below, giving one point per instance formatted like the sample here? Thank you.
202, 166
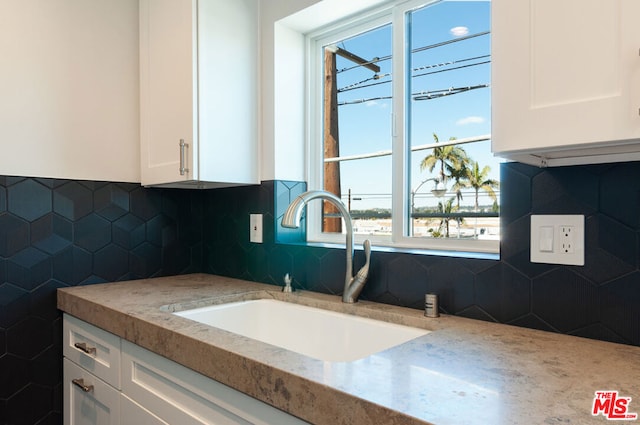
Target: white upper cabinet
566, 81
69, 89
199, 88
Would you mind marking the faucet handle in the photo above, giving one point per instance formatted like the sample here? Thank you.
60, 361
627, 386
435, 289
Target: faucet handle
287, 283
363, 273
367, 251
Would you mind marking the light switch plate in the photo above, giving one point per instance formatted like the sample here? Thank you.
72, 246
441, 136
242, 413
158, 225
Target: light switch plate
557, 239
255, 228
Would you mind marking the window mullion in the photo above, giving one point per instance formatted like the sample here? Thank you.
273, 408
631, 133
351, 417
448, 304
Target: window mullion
401, 86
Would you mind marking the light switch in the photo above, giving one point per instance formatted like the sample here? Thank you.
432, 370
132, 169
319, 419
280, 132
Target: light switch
557, 239
546, 238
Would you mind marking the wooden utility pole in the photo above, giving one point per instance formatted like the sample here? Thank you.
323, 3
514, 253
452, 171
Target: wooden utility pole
331, 137
331, 143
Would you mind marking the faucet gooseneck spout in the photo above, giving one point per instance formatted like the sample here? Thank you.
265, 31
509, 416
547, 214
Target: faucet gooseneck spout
352, 284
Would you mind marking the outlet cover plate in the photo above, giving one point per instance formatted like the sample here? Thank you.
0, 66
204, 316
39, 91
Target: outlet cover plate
255, 228
544, 227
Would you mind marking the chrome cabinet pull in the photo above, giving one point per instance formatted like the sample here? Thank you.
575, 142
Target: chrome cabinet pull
183, 148
79, 382
83, 347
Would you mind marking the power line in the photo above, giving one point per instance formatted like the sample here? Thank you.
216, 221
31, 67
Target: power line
431, 94
419, 49
359, 84
439, 65
451, 69
423, 95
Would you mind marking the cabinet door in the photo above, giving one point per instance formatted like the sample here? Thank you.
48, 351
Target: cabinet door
95, 349
131, 413
168, 84
179, 395
199, 84
565, 74
69, 89
87, 399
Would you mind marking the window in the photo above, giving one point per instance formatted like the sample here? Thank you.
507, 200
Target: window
400, 127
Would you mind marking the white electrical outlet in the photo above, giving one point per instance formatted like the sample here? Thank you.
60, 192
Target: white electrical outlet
255, 228
557, 239
566, 239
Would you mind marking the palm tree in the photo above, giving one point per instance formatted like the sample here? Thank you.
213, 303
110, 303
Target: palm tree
454, 160
446, 207
479, 180
460, 180
450, 158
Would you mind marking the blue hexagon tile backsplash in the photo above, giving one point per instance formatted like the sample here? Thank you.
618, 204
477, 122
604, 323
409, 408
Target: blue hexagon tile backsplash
56, 233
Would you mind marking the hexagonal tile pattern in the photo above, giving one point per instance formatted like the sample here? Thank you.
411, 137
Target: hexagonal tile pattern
619, 188
619, 307
407, 280
3, 199
146, 203
56, 233
453, 284
14, 304
111, 202
146, 260
565, 300
129, 231
29, 200
29, 268
42, 300
51, 233
22, 410
40, 337
503, 293
92, 232
87, 232
3, 342
72, 201
111, 262
15, 374
72, 266
45, 366
161, 231
14, 235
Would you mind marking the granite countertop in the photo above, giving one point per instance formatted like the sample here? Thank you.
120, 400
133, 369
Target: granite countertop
463, 372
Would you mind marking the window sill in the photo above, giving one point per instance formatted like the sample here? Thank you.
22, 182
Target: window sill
407, 250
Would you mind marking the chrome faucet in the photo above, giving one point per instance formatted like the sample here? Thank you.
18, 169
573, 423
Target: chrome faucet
352, 284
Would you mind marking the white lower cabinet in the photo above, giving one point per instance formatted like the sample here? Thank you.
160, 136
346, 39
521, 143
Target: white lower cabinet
179, 395
134, 414
149, 388
87, 398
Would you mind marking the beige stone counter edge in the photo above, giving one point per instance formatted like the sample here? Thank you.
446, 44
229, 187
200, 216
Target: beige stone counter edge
469, 371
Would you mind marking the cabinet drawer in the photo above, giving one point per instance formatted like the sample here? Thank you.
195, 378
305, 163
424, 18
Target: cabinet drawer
179, 395
132, 413
94, 349
88, 399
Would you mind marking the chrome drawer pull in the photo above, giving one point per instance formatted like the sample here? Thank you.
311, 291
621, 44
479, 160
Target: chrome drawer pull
83, 347
80, 384
183, 161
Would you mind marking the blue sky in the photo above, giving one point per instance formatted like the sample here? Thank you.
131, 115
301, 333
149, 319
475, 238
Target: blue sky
366, 127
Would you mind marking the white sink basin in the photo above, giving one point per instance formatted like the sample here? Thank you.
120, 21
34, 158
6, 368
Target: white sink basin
317, 333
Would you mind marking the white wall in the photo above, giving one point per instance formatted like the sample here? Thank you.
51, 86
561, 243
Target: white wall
69, 89
284, 24
282, 148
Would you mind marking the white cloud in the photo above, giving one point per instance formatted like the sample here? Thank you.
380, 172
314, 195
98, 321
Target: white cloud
470, 120
372, 103
459, 31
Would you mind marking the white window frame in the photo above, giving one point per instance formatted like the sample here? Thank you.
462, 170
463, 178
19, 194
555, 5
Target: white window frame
396, 14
